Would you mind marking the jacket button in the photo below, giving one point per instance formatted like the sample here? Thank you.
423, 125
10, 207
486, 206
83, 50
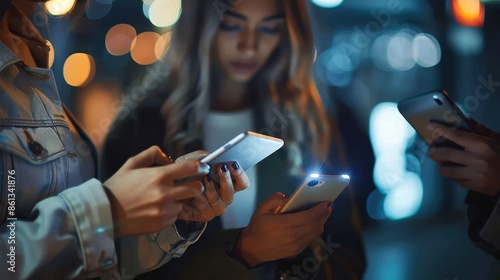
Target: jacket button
36, 148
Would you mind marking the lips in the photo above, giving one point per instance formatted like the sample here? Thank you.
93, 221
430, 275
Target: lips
241, 66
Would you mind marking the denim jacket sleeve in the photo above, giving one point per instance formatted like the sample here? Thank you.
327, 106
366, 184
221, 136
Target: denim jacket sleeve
67, 228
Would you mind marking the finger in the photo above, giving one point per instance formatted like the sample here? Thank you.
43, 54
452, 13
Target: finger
196, 155
175, 171
305, 217
210, 191
271, 203
170, 211
455, 172
148, 157
178, 193
483, 130
226, 190
462, 138
239, 177
449, 155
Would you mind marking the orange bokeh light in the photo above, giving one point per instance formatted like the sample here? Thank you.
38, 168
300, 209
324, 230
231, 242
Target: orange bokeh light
119, 39
468, 12
143, 48
79, 69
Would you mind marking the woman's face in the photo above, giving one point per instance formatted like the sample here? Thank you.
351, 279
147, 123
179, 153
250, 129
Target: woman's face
247, 36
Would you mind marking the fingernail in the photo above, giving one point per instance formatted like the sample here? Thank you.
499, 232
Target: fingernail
235, 165
209, 177
223, 168
430, 126
329, 205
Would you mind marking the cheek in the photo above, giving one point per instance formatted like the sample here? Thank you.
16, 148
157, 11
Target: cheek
269, 45
223, 47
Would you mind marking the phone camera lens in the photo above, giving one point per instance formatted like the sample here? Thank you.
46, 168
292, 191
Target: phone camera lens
312, 183
438, 101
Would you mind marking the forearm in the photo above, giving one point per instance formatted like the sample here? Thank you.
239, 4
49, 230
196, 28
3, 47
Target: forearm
65, 236
148, 252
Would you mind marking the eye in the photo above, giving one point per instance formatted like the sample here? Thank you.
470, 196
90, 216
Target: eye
229, 27
269, 30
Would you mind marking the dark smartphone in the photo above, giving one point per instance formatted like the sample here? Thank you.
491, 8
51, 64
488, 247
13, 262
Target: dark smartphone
435, 106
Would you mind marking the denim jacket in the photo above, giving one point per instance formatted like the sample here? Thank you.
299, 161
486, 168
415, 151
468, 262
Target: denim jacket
55, 225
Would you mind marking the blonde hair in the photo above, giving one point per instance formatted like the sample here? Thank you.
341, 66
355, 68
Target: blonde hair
285, 83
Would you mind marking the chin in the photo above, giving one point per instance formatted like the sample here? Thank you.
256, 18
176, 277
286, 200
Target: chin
241, 78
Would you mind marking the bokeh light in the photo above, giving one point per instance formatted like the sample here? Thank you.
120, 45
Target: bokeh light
52, 54
96, 9
400, 52
468, 12
426, 50
389, 135
79, 69
119, 39
165, 13
60, 7
143, 47
162, 45
327, 3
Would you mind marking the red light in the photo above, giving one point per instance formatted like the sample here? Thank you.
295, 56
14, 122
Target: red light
468, 12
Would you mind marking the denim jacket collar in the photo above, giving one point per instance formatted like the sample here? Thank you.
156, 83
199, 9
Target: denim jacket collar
7, 57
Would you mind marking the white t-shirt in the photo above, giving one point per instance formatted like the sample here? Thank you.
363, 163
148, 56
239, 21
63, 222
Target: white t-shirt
218, 129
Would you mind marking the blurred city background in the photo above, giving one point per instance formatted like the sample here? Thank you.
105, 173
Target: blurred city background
370, 55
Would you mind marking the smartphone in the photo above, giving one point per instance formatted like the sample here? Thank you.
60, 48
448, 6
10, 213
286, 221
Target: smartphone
247, 149
313, 190
435, 106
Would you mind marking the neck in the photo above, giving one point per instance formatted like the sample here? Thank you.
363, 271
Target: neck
232, 96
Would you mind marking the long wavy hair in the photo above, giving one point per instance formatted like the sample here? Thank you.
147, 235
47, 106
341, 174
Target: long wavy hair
284, 84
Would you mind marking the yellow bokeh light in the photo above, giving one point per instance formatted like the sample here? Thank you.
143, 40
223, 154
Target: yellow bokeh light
143, 48
60, 7
162, 45
52, 54
79, 69
164, 13
119, 39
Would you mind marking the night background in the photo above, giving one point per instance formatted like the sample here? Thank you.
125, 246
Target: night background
370, 55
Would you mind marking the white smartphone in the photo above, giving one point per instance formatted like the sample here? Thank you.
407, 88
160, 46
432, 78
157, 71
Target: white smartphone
313, 190
247, 148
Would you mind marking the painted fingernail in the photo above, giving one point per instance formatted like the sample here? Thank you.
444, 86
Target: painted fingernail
209, 177
235, 165
329, 205
223, 168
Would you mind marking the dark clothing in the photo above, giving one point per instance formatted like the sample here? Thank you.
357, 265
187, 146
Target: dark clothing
340, 245
483, 215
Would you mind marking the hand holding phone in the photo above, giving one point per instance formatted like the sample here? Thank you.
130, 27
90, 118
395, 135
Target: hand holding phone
313, 190
247, 149
438, 107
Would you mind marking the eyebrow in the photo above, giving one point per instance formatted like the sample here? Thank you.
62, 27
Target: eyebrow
269, 18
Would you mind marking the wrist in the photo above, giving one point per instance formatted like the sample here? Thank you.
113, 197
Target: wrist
242, 253
114, 205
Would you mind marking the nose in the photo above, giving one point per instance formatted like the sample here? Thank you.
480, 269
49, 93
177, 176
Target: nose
248, 43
